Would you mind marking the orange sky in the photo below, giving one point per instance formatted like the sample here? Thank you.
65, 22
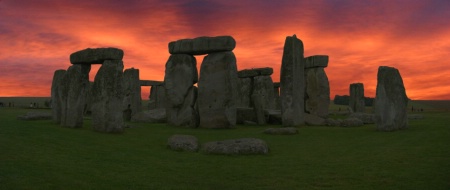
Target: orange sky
37, 37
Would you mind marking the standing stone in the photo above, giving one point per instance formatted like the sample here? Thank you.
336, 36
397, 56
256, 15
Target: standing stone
132, 91
107, 100
292, 81
74, 88
276, 92
263, 85
356, 102
258, 107
157, 98
391, 101
317, 99
56, 101
180, 75
245, 92
217, 91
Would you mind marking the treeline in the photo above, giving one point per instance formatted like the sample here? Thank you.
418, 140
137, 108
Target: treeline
345, 99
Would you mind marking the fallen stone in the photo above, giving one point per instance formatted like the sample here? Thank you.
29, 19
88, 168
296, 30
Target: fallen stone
314, 120
35, 116
391, 101
96, 55
150, 116
316, 61
281, 131
244, 146
367, 118
332, 122
218, 91
183, 143
292, 80
352, 122
357, 102
202, 45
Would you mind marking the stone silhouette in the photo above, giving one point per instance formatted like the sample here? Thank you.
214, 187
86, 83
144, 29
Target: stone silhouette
107, 98
96, 55
157, 97
292, 82
391, 101
218, 91
56, 97
317, 92
202, 45
73, 92
256, 81
357, 101
132, 91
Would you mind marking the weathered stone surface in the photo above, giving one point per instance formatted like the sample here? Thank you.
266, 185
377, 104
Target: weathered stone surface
73, 92
314, 120
357, 102
281, 131
35, 116
150, 116
292, 80
273, 116
185, 115
246, 73
316, 61
218, 91
263, 86
132, 91
333, 122
257, 100
366, 118
157, 98
96, 55
390, 101
242, 146
180, 75
183, 143
276, 93
245, 114
317, 97
107, 98
245, 86
352, 122
56, 98
202, 45
151, 83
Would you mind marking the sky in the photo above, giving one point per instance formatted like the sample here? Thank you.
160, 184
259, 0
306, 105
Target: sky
37, 38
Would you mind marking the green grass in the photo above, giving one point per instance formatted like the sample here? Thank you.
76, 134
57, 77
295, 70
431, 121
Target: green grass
43, 155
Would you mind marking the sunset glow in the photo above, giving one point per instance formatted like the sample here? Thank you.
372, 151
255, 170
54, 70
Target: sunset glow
37, 37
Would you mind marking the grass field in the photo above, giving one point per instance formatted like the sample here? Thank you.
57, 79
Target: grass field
43, 155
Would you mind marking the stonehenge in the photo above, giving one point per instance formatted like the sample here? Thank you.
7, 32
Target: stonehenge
218, 96
390, 100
